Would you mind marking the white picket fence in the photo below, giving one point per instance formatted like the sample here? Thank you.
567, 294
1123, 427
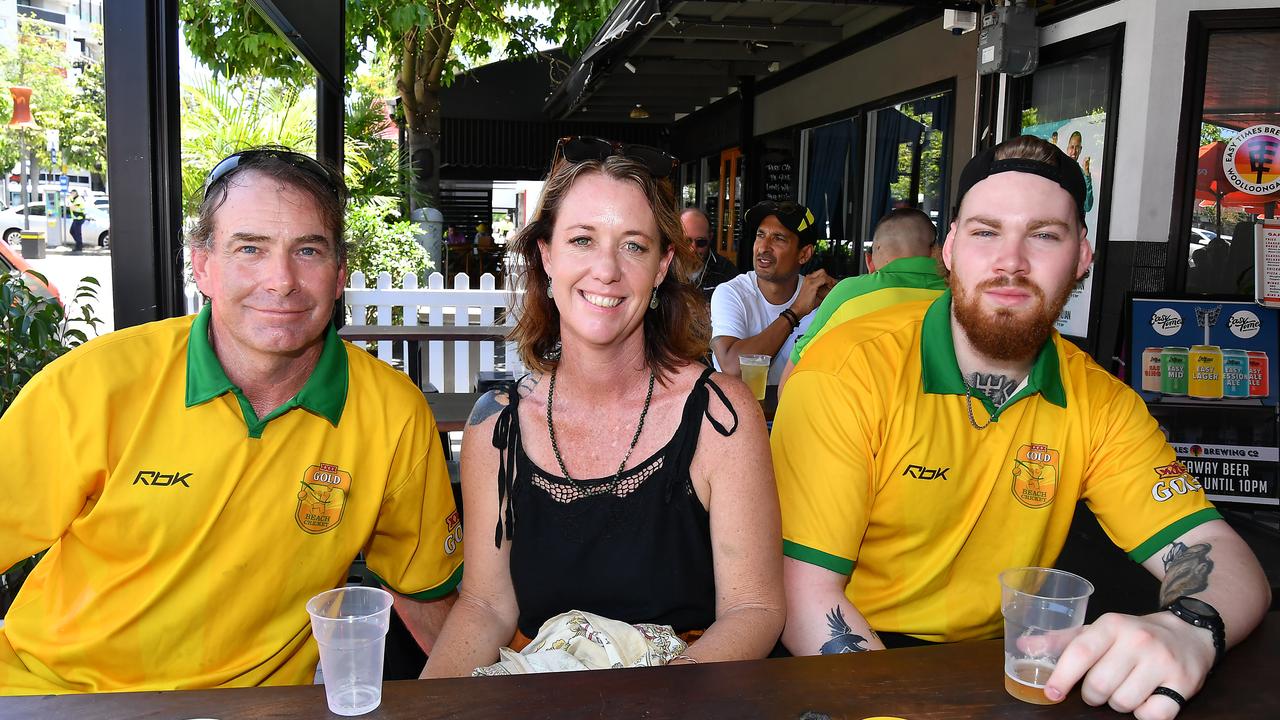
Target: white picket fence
451, 366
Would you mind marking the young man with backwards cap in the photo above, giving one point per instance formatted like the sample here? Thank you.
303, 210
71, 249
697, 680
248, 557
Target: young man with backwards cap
762, 312
922, 451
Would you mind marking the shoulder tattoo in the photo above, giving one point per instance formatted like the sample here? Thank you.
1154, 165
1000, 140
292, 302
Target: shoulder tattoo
489, 404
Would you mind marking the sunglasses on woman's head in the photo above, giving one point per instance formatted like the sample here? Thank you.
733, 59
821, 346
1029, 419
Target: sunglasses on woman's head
303, 162
583, 148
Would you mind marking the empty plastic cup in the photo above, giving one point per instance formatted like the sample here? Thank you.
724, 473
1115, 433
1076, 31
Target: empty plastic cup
350, 626
1043, 610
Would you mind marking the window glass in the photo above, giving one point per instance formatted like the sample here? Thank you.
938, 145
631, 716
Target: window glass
1066, 104
1237, 162
909, 147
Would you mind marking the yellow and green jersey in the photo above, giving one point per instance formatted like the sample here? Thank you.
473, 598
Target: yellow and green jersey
883, 477
903, 280
185, 533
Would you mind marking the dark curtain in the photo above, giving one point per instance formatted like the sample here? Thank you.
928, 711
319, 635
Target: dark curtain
940, 106
892, 129
828, 153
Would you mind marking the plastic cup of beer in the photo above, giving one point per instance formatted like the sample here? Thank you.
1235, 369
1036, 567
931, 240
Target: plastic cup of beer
350, 626
1043, 610
755, 372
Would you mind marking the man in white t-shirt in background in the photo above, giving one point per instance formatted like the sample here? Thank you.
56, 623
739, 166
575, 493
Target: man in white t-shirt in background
764, 311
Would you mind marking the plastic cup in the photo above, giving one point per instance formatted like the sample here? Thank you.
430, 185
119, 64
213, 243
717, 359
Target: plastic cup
1043, 610
350, 626
755, 372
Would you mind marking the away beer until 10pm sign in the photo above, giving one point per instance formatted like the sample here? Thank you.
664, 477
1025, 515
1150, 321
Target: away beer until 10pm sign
1207, 370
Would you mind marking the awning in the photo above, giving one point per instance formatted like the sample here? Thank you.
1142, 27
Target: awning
672, 57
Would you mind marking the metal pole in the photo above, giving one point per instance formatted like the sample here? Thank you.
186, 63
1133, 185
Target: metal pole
22, 172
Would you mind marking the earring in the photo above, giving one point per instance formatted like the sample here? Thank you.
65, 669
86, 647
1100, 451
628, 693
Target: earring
549, 293
553, 353
653, 300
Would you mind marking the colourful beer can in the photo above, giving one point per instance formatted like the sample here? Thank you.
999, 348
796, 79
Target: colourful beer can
1173, 371
1235, 374
1204, 367
1151, 369
1259, 374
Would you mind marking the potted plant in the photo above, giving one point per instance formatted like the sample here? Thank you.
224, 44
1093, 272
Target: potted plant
34, 331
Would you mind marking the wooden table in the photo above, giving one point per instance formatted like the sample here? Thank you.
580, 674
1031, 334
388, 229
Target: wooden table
952, 681
451, 409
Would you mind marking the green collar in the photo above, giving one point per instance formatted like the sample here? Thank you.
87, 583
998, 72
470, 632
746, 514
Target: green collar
941, 372
915, 265
325, 392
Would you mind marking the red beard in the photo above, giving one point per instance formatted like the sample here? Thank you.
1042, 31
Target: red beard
1006, 335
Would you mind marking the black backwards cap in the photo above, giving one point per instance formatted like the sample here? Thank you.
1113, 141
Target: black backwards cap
1063, 170
795, 217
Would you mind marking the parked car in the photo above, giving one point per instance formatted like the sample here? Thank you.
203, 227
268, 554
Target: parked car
10, 260
96, 230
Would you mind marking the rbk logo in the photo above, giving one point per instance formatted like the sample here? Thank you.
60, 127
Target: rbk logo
158, 479
921, 472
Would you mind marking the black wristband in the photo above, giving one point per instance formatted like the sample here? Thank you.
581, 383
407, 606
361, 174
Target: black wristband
791, 317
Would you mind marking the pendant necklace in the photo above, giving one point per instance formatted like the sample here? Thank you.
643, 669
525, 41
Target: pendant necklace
555, 448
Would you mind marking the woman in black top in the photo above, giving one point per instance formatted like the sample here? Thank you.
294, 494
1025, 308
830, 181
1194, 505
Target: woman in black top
621, 476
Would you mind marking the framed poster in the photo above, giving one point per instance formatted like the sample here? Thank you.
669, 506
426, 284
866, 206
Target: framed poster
1084, 139
1206, 368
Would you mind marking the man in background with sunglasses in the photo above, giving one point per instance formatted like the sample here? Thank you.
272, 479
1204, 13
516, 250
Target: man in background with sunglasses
715, 269
764, 311
205, 476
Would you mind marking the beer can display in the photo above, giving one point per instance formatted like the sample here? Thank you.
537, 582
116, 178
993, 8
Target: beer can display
1204, 367
1173, 371
1235, 374
1259, 374
1152, 371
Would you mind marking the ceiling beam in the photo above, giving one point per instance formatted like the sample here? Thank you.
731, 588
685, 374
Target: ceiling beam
650, 66
762, 32
722, 51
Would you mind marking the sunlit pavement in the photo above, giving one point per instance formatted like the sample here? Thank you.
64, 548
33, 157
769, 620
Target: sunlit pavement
64, 268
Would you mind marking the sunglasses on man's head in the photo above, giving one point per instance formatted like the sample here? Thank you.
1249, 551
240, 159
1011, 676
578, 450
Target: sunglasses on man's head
303, 162
583, 148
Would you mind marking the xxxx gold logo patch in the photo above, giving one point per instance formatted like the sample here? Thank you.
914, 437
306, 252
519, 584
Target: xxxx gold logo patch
1035, 475
322, 498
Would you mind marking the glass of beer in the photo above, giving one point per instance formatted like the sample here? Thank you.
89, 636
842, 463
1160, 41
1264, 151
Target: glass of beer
755, 372
1043, 610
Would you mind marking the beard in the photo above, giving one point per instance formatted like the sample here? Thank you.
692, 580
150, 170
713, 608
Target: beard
1007, 335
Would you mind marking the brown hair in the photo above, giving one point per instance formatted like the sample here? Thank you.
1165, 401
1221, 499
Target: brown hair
1028, 147
676, 333
330, 200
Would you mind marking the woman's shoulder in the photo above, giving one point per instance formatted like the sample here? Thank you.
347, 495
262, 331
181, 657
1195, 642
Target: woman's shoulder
490, 405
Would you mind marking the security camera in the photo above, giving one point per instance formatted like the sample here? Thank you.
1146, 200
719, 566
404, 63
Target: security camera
959, 22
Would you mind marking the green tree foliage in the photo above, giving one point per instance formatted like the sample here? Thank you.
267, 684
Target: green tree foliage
35, 330
84, 122
220, 117
1211, 133
383, 242
34, 63
430, 42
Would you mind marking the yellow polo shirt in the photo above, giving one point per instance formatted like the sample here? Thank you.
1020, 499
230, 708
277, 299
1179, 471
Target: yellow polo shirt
883, 478
186, 534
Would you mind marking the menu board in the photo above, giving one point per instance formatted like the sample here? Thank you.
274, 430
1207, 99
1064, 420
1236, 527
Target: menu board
1267, 262
1207, 370
778, 175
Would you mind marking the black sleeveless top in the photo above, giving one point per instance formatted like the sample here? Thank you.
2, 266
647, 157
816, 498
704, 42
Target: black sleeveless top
638, 551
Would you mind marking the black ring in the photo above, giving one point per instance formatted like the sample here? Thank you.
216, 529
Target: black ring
1173, 695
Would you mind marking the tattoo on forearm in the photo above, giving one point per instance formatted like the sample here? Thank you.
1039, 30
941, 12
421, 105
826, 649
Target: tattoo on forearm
996, 387
489, 404
843, 639
1186, 571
